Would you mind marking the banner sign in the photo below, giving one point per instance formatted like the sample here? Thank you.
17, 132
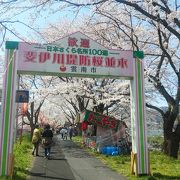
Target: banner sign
75, 54
22, 96
101, 120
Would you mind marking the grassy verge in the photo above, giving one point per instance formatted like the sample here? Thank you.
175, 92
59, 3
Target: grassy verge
23, 159
162, 167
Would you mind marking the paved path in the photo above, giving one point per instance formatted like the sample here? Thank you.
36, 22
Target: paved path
70, 162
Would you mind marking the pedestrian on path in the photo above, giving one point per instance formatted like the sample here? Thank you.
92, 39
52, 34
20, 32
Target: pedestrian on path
64, 133
36, 139
71, 131
47, 140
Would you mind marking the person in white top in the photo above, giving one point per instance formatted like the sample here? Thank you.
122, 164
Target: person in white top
64, 133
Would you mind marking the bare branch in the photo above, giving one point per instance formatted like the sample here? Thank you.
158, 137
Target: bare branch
165, 52
82, 4
155, 18
156, 108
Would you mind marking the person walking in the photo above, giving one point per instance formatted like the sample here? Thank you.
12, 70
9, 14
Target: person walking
47, 141
64, 133
36, 139
70, 132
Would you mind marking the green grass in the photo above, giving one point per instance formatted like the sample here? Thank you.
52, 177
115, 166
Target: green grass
156, 142
161, 166
156, 139
5, 178
23, 159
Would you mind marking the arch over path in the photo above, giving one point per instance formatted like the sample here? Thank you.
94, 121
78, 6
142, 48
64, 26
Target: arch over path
79, 56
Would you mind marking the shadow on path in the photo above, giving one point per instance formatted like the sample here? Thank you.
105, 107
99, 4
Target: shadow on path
70, 162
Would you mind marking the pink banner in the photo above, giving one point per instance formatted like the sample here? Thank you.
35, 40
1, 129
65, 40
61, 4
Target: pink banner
75, 54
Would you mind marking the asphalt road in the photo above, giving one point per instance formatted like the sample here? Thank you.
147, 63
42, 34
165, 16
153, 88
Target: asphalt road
70, 162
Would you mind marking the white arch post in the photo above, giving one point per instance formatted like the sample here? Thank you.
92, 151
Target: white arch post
139, 157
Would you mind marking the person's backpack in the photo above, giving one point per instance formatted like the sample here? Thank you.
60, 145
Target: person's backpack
47, 141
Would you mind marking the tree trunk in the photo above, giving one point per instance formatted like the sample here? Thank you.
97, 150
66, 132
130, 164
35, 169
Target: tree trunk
32, 132
31, 118
99, 108
81, 104
171, 136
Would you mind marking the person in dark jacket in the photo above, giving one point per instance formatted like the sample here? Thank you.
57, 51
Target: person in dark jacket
70, 132
47, 136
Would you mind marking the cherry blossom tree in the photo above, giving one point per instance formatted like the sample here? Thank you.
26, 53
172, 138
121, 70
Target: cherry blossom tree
152, 27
